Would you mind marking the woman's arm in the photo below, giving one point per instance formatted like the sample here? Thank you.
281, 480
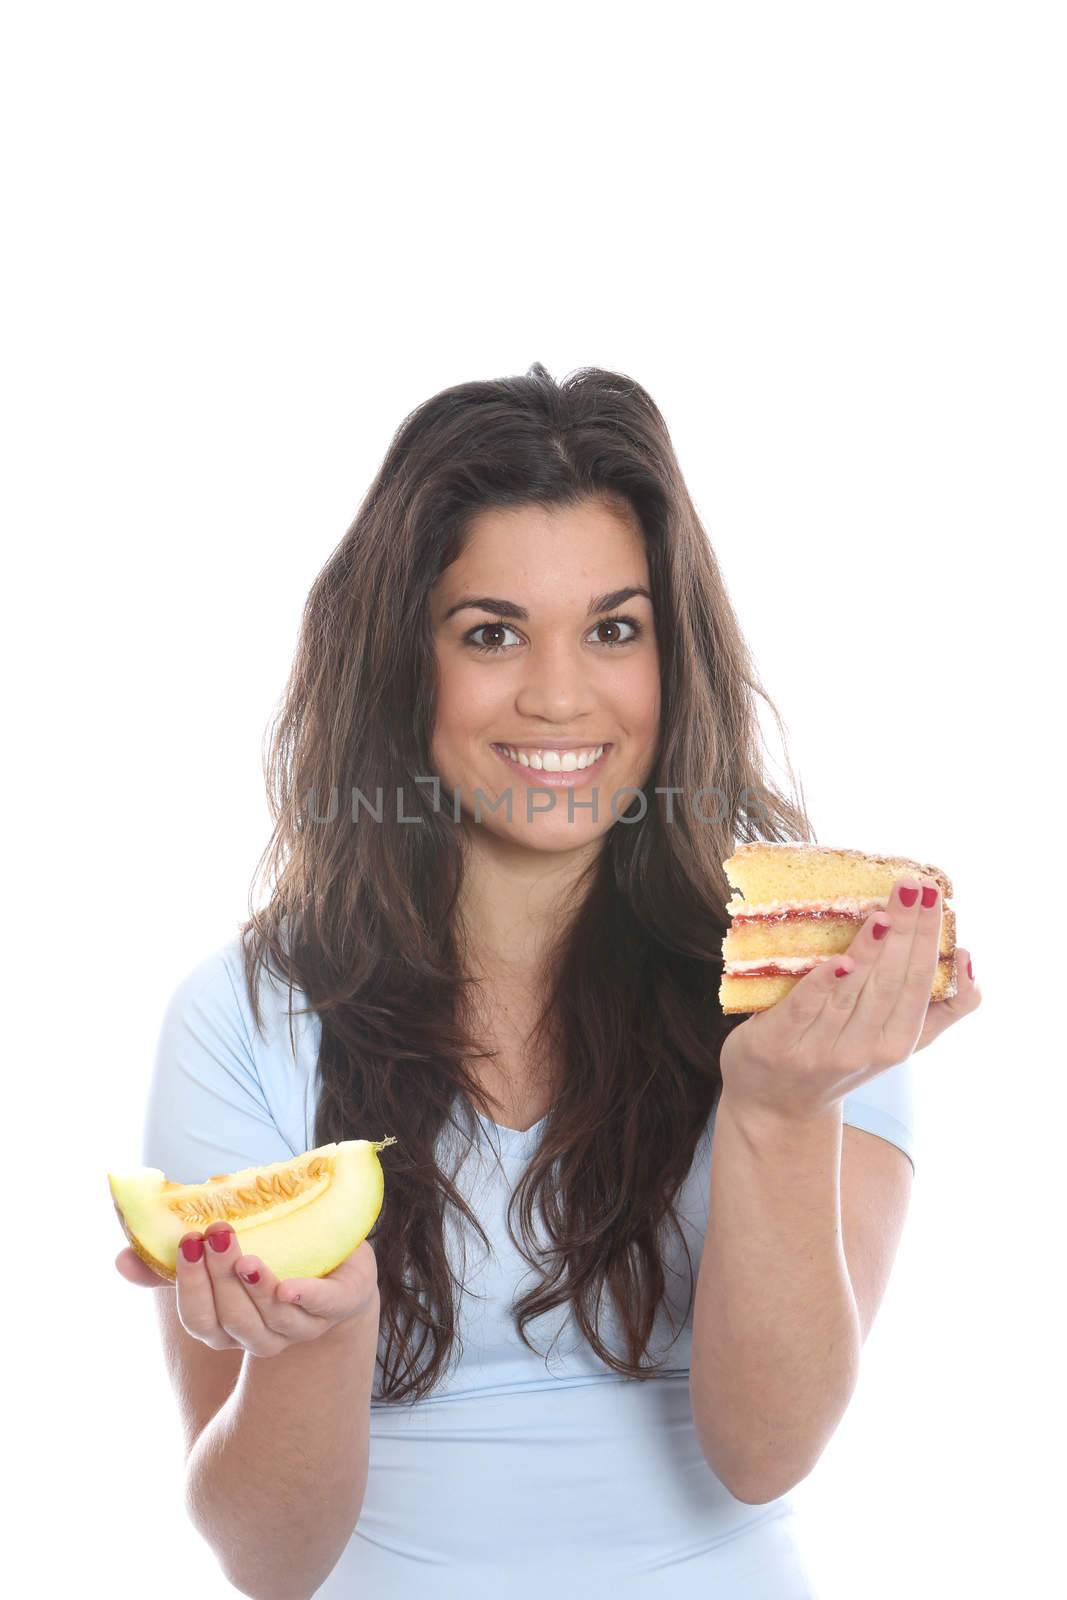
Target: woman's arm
275, 1482
776, 1333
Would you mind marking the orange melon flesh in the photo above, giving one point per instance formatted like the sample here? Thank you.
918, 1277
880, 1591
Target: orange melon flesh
301, 1217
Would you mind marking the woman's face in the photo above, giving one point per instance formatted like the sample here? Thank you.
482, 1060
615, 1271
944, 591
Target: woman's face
540, 586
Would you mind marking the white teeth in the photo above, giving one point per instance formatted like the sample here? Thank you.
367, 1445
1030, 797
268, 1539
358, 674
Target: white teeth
555, 760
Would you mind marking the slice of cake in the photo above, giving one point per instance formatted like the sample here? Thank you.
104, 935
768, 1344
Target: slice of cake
799, 904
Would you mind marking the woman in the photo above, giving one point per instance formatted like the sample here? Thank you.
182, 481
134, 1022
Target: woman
519, 739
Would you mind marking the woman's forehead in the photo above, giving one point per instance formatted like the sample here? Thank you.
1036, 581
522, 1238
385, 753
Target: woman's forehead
531, 557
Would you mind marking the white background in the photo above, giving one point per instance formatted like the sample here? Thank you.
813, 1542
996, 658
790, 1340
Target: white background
243, 242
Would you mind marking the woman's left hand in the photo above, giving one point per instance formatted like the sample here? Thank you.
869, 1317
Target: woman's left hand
830, 1034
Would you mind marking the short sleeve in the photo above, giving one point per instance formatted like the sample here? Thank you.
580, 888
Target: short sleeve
206, 1112
885, 1105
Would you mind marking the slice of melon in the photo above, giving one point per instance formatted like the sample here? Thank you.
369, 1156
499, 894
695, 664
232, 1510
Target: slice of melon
301, 1217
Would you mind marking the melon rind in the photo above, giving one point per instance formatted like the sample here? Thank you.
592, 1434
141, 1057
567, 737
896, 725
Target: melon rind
305, 1236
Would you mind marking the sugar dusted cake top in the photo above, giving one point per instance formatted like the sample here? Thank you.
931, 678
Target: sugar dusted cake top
768, 870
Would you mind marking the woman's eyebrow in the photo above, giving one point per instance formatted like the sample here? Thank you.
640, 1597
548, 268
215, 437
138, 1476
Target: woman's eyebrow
508, 608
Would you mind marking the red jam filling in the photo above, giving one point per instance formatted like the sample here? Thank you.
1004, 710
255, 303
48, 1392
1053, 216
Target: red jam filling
770, 970
805, 916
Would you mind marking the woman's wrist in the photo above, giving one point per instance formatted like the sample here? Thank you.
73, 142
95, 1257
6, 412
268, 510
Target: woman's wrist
756, 1119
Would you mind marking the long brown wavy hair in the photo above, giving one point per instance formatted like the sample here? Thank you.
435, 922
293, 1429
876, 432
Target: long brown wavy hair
360, 914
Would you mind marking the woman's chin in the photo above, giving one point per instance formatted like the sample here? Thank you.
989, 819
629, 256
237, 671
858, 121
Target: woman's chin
540, 834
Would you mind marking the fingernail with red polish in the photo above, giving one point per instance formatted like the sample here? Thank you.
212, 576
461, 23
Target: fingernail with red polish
220, 1241
929, 896
842, 972
250, 1277
192, 1249
880, 929
908, 896
970, 969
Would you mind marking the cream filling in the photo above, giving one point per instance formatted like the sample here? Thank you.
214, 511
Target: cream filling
738, 907
786, 963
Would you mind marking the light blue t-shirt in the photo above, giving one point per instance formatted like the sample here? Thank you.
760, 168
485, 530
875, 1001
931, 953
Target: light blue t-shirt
517, 1472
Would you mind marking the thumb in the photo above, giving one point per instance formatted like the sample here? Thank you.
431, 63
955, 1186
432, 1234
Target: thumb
134, 1270
332, 1295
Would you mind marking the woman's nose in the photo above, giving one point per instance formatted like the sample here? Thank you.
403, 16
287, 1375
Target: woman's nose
555, 684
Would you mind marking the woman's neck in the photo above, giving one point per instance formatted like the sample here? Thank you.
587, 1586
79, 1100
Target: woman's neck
512, 902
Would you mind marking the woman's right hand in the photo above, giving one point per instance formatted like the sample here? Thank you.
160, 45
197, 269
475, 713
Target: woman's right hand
225, 1312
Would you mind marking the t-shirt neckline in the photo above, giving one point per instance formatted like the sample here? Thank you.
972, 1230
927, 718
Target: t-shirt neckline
516, 1140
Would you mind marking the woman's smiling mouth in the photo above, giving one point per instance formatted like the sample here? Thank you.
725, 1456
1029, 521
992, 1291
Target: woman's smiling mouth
550, 766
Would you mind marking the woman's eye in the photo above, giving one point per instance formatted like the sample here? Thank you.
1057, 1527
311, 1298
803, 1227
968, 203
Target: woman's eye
488, 627
620, 622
